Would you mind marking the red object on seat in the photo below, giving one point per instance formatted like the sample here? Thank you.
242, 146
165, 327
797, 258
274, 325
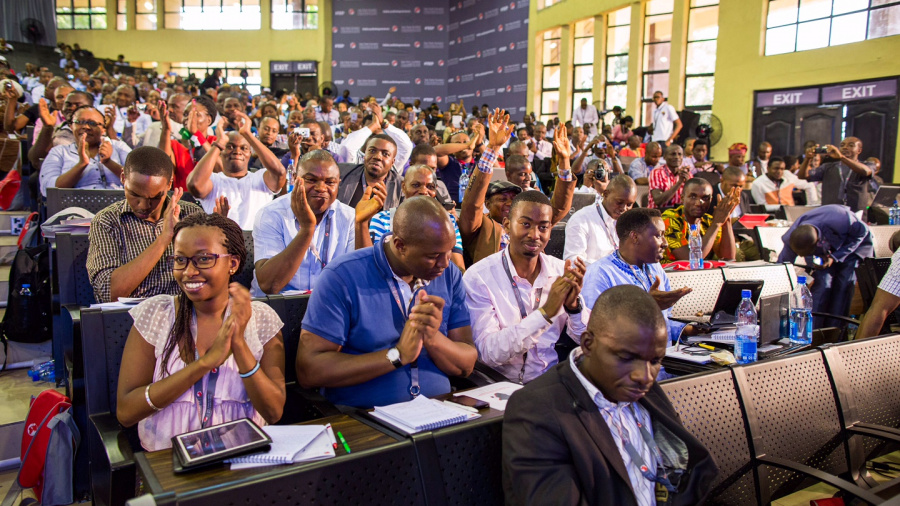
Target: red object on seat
754, 220
9, 187
831, 501
685, 265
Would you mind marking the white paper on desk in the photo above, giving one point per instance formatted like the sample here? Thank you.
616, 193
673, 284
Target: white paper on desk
496, 394
680, 355
113, 305
312, 440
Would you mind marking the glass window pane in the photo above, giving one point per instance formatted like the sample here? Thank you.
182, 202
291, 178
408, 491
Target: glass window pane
656, 56
584, 77
173, 5
82, 22
660, 7
551, 77
145, 21
553, 34
698, 91
658, 29
876, 3
617, 69
845, 6
701, 57
173, 21
654, 83
848, 28
781, 12
703, 24
121, 22
584, 28
64, 22
616, 94
121, 6
813, 34
620, 17
618, 40
146, 6
647, 113
781, 40
551, 51
584, 50
549, 102
576, 97
703, 3
882, 22
814, 9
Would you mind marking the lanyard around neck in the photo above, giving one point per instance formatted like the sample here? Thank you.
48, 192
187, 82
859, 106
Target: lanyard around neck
660, 476
522, 310
613, 240
322, 257
414, 388
204, 400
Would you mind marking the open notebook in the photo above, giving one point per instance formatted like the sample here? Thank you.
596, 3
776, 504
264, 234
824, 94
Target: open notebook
421, 414
290, 444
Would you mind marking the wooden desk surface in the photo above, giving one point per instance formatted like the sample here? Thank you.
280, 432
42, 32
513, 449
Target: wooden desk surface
156, 467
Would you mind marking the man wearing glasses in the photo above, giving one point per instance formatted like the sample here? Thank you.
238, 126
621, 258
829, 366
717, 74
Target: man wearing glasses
93, 162
130, 239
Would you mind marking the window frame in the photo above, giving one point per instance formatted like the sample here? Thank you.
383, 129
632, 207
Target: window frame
558, 65
72, 14
687, 75
580, 92
645, 100
607, 84
305, 14
167, 14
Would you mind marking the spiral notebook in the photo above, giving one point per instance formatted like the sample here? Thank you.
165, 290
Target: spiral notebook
290, 444
421, 414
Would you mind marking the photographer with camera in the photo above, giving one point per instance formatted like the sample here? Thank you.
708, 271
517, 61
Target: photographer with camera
845, 179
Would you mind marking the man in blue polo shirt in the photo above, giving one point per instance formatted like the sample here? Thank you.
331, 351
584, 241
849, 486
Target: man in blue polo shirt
390, 322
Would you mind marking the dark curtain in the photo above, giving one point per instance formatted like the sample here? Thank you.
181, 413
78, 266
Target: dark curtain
13, 12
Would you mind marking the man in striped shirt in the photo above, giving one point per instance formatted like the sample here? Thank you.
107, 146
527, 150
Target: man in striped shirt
131, 239
667, 182
419, 180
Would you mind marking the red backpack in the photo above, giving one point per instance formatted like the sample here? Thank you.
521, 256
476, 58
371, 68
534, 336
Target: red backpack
36, 438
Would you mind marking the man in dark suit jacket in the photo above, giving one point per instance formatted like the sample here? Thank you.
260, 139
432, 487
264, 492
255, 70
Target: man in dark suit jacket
563, 432
375, 172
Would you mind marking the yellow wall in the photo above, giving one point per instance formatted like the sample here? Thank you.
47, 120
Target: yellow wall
741, 67
165, 46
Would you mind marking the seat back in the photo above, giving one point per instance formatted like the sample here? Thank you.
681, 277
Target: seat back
791, 414
706, 285
91, 200
881, 235
865, 372
791, 213
721, 430
643, 195
769, 238
713, 177
71, 256
777, 278
582, 200
104, 333
470, 463
245, 277
557, 243
291, 310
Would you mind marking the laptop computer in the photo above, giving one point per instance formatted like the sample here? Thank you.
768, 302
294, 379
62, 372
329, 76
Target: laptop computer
727, 303
886, 195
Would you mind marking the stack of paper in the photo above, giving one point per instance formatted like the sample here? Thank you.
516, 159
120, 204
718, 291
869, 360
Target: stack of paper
421, 414
290, 444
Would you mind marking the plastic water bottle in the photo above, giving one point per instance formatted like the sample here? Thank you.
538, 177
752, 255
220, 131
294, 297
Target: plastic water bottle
801, 313
42, 372
746, 337
463, 184
290, 176
894, 214
695, 242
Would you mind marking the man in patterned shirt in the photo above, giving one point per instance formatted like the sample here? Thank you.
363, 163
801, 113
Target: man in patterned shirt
715, 228
131, 239
666, 182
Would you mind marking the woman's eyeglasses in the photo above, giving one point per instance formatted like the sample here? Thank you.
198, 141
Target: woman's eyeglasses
87, 122
202, 261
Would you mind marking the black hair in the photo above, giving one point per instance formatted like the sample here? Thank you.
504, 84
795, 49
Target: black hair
778, 159
384, 137
529, 196
180, 336
635, 220
626, 119
696, 181
207, 103
789, 161
422, 149
149, 161
701, 142
630, 302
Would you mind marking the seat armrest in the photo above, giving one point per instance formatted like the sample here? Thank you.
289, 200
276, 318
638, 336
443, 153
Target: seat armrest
876, 431
822, 476
489, 373
118, 450
845, 319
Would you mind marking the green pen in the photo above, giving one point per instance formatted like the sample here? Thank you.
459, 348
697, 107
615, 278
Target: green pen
344, 441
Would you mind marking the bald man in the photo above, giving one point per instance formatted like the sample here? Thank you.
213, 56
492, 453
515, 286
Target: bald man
840, 240
419, 180
591, 231
565, 433
845, 179
388, 323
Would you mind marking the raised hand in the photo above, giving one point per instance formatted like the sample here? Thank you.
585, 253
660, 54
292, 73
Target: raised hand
11, 95
222, 207
300, 206
559, 294
294, 144
832, 152
411, 341
133, 113
241, 309
664, 299
392, 89
371, 203
377, 117
153, 110
561, 143
165, 126
83, 156
170, 215
500, 129
47, 117
243, 123
109, 120
574, 272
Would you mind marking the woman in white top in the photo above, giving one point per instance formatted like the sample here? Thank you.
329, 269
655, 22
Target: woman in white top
207, 355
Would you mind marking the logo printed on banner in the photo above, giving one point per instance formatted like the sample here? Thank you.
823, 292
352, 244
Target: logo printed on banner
393, 63
351, 82
394, 28
418, 81
440, 63
416, 44
351, 11
352, 45
417, 10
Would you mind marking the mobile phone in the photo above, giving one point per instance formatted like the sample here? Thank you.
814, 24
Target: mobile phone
457, 121
449, 206
304, 132
471, 402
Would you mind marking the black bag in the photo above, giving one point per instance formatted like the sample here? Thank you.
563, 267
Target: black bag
27, 318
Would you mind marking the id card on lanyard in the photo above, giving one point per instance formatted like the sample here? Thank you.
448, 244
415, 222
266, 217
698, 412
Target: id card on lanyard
414, 388
322, 257
522, 310
662, 485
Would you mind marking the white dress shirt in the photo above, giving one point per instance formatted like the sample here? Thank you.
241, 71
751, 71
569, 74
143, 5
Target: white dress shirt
151, 135
246, 196
664, 118
501, 335
351, 146
581, 117
139, 126
544, 150
590, 234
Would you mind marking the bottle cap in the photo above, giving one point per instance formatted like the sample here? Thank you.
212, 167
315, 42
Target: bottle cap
745, 294
26, 285
693, 226
801, 280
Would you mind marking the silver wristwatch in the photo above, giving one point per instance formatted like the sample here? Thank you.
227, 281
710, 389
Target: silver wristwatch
393, 355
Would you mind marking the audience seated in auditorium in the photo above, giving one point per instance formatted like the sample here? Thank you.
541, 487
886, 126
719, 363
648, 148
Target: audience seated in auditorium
591, 231
773, 189
60, 92
376, 171
299, 144
845, 179
519, 172
354, 145
130, 240
268, 136
760, 163
91, 162
736, 155
667, 181
187, 152
210, 330
601, 148
176, 105
425, 154
840, 241
245, 192
58, 132
297, 235
589, 431
633, 148
636, 262
520, 299
622, 131
596, 178
732, 178
327, 113
714, 223
451, 166
640, 168
419, 180
125, 118
420, 333
483, 234
698, 161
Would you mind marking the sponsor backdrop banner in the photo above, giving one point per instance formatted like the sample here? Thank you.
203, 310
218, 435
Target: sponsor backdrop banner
433, 50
